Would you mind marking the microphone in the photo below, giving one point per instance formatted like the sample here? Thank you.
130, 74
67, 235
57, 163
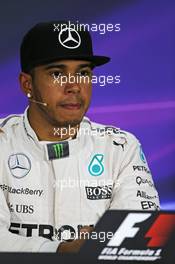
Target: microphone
35, 101
38, 102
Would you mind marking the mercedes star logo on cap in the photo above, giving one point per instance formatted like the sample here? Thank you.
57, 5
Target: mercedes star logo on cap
69, 38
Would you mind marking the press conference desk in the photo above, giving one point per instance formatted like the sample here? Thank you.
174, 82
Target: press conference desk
54, 258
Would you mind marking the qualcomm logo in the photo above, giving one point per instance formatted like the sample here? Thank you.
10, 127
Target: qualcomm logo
19, 165
96, 167
69, 38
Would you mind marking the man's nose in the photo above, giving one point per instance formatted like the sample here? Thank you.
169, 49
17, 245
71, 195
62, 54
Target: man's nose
72, 87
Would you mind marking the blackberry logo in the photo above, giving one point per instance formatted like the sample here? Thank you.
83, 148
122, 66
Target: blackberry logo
21, 191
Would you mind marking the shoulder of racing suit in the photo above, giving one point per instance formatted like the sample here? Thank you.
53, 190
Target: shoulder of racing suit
7, 123
119, 136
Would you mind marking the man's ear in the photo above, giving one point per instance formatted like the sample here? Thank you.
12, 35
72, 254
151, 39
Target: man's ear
25, 80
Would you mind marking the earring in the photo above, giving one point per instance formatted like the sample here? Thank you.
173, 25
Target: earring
29, 95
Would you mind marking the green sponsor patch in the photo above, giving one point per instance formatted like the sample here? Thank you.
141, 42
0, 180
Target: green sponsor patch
58, 150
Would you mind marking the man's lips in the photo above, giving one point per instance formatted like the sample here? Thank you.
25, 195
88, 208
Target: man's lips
70, 106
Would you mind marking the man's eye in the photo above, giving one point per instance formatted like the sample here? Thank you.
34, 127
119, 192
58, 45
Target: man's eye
56, 74
84, 73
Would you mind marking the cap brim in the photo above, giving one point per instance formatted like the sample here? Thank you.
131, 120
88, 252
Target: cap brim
100, 60
97, 60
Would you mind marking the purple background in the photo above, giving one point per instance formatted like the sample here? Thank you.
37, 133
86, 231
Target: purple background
142, 54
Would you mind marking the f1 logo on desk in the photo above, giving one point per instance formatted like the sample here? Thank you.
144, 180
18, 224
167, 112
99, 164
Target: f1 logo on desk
157, 234
139, 236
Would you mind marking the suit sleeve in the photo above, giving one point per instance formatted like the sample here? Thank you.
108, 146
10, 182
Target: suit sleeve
134, 188
10, 242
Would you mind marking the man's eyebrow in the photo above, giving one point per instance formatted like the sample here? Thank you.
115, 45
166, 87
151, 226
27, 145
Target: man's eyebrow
63, 66
90, 65
51, 66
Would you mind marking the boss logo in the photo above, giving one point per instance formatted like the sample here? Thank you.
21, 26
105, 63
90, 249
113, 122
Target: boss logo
99, 192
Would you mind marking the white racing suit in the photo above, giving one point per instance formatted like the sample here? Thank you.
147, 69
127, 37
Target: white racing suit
48, 191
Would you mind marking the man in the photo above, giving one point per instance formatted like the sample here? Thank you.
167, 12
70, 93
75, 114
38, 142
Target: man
55, 185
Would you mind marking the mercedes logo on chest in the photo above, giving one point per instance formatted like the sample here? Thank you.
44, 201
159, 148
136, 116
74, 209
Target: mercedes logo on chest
69, 38
19, 165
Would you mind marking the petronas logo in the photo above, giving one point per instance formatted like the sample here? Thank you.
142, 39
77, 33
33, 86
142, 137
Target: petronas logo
96, 167
59, 152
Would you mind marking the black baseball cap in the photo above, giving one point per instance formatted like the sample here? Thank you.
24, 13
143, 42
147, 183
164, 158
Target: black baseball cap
56, 40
